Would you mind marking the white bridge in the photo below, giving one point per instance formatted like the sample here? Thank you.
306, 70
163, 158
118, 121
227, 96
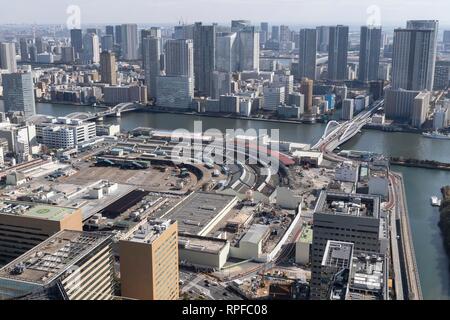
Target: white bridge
114, 111
337, 133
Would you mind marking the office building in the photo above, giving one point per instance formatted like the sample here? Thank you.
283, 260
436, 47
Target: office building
286, 81
264, 33
70, 265
399, 104
323, 38
227, 52
91, 49
441, 75
229, 104
24, 50
114, 95
433, 26
18, 93
307, 45
421, 106
306, 88
129, 43
8, 57
338, 53
24, 225
348, 109
285, 34
221, 84
68, 55
111, 32
179, 58
76, 40
107, 43
118, 35
335, 270
275, 33
354, 218
204, 57
273, 97
411, 60
238, 25
63, 133
153, 32
149, 262
296, 99
441, 116
174, 92
152, 63
108, 68
248, 49
369, 53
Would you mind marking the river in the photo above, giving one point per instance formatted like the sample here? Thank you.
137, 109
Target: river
421, 184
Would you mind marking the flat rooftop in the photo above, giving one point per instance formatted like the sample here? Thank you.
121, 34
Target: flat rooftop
338, 254
368, 279
306, 236
33, 210
201, 244
48, 260
198, 210
360, 205
149, 231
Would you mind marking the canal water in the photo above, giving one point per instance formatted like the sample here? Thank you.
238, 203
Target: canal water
421, 184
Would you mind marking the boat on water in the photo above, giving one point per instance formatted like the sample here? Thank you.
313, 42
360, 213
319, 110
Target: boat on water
436, 135
435, 201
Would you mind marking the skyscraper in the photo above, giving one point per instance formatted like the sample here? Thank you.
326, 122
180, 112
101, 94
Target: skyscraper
8, 56
432, 25
227, 52
337, 53
24, 51
323, 38
110, 32
129, 42
118, 35
108, 68
18, 93
204, 57
146, 33
307, 53
91, 48
152, 63
248, 49
412, 59
76, 38
306, 89
369, 53
264, 35
149, 262
107, 43
179, 58
237, 25
275, 33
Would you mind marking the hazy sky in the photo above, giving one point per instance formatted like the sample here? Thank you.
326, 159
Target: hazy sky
294, 12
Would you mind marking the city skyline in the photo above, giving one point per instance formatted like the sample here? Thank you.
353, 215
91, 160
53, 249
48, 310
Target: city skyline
298, 13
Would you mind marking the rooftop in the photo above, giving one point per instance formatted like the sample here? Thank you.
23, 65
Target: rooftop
149, 231
306, 236
256, 233
198, 210
33, 210
202, 244
368, 279
338, 254
360, 205
50, 259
